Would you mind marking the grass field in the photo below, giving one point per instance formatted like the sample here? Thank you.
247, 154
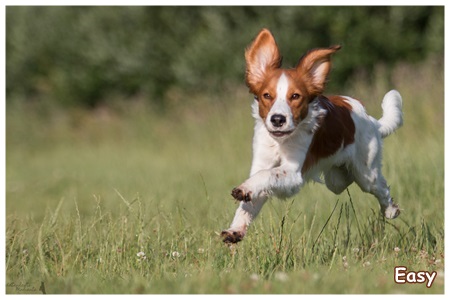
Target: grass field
130, 200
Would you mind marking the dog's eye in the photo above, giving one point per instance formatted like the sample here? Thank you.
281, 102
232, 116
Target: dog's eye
295, 96
267, 96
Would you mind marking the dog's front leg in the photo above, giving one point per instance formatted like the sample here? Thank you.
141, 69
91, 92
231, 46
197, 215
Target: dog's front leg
268, 176
245, 213
253, 193
283, 181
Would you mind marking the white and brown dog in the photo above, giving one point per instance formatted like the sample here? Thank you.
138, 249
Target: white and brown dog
301, 134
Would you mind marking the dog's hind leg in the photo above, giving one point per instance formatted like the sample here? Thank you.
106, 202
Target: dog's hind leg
366, 167
373, 182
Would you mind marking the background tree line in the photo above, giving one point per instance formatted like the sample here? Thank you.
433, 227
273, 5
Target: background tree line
84, 56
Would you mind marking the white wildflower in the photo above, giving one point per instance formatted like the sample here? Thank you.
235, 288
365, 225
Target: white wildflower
141, 255
344, 262
176, 254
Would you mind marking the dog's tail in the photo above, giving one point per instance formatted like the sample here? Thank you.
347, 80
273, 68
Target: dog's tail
392, 113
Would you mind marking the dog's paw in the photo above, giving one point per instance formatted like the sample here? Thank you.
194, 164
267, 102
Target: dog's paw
241, 195
392, 211
232, 236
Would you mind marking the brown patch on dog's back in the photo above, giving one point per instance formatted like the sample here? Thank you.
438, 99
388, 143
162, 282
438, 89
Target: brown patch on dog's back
336, 130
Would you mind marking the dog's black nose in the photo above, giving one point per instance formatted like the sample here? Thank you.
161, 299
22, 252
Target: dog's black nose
278, 120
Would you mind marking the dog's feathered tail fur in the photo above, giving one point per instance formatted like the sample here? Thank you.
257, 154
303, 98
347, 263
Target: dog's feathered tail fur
392, 113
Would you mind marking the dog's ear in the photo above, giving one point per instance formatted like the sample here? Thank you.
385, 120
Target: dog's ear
261, 56
314, 67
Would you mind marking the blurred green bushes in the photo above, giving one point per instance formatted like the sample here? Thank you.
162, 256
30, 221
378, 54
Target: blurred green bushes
84, 56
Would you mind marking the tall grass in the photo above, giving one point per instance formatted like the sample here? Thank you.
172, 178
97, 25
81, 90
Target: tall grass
128, 200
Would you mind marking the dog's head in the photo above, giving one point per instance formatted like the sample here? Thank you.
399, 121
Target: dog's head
284, 95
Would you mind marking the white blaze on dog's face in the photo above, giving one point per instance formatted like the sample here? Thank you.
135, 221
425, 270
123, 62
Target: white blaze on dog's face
284, 94
279, 120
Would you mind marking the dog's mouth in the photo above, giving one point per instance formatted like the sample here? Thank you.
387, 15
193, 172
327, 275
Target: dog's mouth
281, 133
